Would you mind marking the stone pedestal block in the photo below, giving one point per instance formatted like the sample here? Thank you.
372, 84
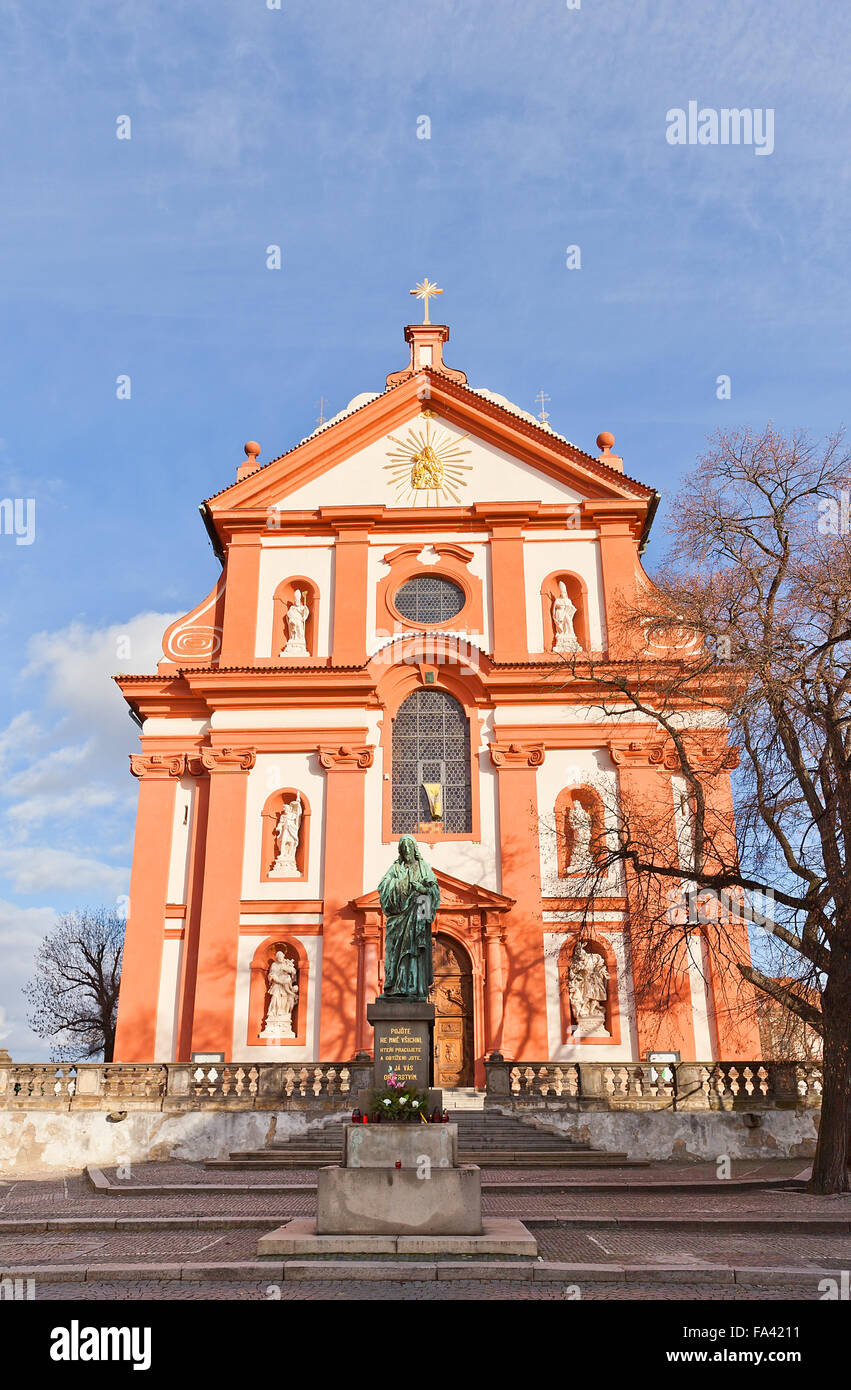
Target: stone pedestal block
399, 1201
382, 1146
404, 1031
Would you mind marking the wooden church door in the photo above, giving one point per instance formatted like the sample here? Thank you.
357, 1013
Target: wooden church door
452, 997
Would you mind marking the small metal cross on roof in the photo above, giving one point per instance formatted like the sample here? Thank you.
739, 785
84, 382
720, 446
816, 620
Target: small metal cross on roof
542, 399
422, 291
322, 404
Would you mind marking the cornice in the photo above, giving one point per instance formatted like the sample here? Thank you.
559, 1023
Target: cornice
227, 759
347, 758
158, 765
704, 752
516, 755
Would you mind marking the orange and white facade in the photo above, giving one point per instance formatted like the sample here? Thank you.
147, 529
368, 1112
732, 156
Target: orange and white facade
427, 530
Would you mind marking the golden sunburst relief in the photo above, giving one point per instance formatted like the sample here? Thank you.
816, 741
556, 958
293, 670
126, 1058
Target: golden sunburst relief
427, 465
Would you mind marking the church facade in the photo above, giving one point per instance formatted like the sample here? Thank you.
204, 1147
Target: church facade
376, 660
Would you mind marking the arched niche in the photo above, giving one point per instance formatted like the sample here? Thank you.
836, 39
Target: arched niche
599, 946
258, 997
592, 802
577, 592
283, 597
272, 808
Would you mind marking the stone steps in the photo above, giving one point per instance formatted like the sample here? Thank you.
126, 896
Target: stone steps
488, 1139
262, 1160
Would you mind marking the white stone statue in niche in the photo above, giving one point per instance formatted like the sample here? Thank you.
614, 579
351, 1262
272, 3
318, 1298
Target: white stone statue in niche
297, 616
581, 859
287, 834
283, 996
563, 614
588, 987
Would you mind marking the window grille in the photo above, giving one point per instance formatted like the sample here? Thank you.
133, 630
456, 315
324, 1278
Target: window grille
427, 598
431, 743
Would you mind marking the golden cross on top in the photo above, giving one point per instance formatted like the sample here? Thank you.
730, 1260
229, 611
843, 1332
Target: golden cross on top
422, 291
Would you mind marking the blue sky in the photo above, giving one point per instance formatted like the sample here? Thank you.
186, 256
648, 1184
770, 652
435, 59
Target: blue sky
297, 127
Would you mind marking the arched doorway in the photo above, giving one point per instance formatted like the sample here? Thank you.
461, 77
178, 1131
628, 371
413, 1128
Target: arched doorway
452, 997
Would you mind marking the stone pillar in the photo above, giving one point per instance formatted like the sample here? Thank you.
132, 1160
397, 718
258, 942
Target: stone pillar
369, 941
494, 981
616, 523
192, 919
351, 554
218, 936
525, 1026
339, 1022
136, 1029
734, 999
663, 1023
242, 585
508, 590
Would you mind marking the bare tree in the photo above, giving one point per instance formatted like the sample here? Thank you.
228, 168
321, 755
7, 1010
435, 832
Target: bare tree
736, 656
73, 995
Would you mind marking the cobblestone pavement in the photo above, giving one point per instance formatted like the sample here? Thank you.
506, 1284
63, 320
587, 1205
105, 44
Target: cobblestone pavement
388, 1291
610, 1246
74, 1197
246, 1200
653, 1246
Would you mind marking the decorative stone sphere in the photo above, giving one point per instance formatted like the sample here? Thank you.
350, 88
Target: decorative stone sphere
605, 440
252, 449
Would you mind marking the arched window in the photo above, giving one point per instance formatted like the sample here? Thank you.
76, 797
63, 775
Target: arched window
431, 764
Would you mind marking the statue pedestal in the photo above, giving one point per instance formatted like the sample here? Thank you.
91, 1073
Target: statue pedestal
428, 1194
404, 1041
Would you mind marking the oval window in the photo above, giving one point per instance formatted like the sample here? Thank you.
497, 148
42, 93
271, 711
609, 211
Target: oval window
429, 599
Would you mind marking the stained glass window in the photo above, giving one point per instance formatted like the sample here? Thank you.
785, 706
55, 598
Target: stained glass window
431, 743
427, 598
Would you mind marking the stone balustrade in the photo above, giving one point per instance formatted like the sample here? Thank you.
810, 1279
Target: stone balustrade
647, 1086
180, 1086
177, 1086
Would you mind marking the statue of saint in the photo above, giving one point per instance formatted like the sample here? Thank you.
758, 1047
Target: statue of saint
297, 616
563, 614
588, 987
409, 896
283, 995
287, 830
581, 859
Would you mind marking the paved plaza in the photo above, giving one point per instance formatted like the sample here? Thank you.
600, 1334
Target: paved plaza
182, 1231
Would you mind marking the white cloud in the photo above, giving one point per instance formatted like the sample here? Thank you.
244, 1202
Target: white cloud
41, 869
66, 776
21, 931
34, 810
77, 664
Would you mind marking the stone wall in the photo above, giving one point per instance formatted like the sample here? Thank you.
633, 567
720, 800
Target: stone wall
686, 1135
34, 1142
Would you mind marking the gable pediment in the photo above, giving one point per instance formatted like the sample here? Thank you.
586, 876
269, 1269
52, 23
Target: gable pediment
480, 451
455, 896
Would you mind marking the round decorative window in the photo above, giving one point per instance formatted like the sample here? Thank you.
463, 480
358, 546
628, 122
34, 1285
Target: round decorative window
429, 599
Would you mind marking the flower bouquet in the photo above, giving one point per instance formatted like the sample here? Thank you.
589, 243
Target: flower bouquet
398, 1103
